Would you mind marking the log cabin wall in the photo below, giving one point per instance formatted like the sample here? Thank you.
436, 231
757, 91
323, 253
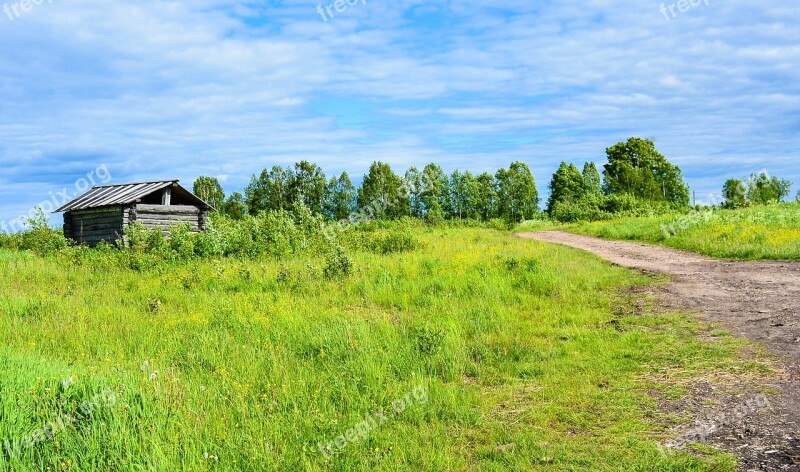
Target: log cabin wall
164, 216
92, 225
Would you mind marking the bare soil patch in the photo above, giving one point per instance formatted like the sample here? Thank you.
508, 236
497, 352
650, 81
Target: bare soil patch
754, 300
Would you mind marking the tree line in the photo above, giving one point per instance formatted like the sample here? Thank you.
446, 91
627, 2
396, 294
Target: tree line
431, 194
636, 179
758, 189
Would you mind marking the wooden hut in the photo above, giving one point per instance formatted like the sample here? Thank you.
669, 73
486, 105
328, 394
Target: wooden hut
102, 213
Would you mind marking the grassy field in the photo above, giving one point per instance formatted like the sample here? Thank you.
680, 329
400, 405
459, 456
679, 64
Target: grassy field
771, 232
476, 351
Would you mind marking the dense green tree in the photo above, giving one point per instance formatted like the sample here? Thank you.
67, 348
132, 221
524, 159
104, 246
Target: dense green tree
383, 193
635, 167
416, 185
279, 188
269, 191
485, 203
308, 184
517, 197
234, 206
763, 189
591, 179
735, 193
567, 186
433, 195
471, 199
209, 190
456, 196
463, 195
342, 196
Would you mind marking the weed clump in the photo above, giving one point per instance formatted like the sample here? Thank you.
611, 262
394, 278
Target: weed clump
338, 265
428, 339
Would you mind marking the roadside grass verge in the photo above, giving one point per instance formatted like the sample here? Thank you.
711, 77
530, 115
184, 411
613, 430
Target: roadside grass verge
528, 355
756, 233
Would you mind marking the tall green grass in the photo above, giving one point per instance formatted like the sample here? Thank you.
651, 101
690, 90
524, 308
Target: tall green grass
528, 355
761, 232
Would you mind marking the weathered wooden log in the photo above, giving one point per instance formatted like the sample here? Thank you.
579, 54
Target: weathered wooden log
163, 217
78, 223
151, 214
171, 209
98, 221
108, 211
149, 221
167, 223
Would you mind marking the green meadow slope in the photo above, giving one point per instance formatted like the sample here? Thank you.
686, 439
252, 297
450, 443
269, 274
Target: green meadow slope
475, 351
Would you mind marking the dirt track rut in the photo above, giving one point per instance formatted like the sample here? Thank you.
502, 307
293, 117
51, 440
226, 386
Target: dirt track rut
754, 300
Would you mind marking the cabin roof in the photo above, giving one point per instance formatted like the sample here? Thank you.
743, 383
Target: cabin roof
124, 194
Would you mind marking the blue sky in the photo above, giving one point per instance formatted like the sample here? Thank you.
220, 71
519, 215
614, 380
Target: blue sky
159, 89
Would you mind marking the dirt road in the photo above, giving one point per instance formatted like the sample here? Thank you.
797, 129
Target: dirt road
754, 300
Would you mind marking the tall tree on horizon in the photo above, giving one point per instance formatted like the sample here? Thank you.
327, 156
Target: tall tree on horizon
486, 196
763, 189
567, 186
209, 190
433, 195
268, 191
637, 168
734, 191
414, 180
308, 184
383, 191
591, 179
518, 198
341, 197
234, 206
463, 201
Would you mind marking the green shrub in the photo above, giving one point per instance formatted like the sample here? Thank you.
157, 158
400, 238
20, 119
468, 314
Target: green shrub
534, 225
393, 242
10, 241
498, 224
337, 264
606, 207
39, 237
140, 239
211, 242
569, 212
275, 233
182, 242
